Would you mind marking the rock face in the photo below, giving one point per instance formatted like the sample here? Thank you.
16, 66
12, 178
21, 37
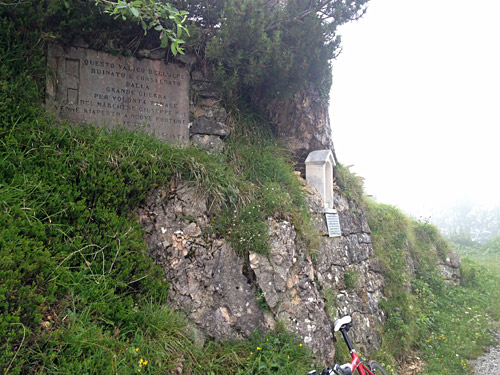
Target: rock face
348, 274
302, 122
228, 297
286, 278
450, 269
207, 279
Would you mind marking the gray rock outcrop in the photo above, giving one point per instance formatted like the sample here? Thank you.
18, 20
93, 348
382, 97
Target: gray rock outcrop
450, 269
302, 123
206, 276
226, 296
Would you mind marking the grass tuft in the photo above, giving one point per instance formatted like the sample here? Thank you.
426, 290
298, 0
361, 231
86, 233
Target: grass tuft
350, 184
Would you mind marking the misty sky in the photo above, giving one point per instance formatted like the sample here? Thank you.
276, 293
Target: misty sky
415, 102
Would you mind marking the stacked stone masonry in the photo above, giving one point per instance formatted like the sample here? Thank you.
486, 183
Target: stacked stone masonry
208, 128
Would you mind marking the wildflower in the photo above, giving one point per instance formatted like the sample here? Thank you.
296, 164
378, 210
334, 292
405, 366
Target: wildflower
300, 345
137, 350
145, 363
258, 348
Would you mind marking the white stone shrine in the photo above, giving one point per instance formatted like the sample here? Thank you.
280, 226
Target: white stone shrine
319, 174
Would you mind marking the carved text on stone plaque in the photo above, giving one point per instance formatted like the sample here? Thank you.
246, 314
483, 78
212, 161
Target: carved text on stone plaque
333, 224
98, 88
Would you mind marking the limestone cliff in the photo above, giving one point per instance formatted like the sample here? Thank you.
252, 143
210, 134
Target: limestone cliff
226, 296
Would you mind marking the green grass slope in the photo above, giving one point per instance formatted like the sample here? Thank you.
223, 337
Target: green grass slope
78, 292
447, 325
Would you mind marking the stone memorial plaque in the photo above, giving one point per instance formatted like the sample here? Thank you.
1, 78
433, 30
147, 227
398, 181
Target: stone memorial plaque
333, 224
98, 88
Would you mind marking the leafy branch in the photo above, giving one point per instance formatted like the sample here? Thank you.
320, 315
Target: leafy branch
162, 17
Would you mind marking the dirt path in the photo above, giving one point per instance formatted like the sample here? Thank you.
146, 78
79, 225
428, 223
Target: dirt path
489, 363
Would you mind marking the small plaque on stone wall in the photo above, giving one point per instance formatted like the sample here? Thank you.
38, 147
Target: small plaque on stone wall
94, 87
333, 224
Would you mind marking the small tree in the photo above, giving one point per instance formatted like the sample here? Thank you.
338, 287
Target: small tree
270, 49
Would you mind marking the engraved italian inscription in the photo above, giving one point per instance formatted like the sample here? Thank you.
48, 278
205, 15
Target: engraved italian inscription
333, 224
97, 88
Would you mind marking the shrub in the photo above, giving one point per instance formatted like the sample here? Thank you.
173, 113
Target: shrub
260, 51
350, 184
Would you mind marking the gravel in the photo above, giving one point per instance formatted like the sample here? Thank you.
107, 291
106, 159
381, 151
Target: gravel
489, 363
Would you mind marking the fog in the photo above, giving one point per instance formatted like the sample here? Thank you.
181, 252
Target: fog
415, 102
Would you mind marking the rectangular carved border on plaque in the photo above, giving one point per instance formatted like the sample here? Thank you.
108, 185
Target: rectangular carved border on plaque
98, 88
